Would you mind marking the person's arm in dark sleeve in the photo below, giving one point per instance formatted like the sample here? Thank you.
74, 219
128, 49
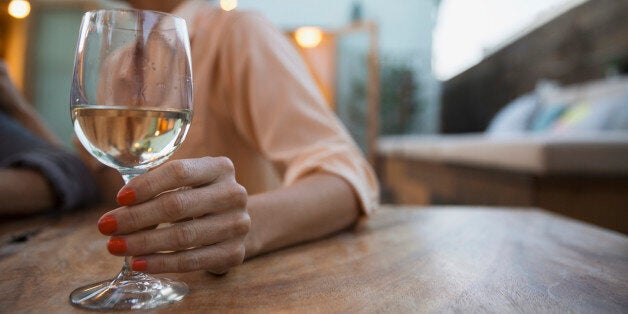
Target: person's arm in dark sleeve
36, 175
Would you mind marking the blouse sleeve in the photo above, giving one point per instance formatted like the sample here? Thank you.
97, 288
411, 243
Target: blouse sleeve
278, 108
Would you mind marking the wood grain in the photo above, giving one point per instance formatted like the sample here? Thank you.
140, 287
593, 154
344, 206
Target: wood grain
403, 259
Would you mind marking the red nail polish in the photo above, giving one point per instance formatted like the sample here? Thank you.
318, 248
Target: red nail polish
107, 225
116, 245
126, 197
139, 265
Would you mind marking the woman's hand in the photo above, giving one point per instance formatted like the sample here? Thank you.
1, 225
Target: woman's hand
209, 220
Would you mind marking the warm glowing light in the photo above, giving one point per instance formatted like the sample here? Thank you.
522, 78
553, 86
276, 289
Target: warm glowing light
308, 37
228, 5
19, 9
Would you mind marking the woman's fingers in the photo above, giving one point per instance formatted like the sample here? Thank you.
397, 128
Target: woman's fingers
213, 241
172, 175
215, 258
181, 236
175, 206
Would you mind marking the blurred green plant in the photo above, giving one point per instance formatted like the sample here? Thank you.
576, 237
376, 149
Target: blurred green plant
398, 100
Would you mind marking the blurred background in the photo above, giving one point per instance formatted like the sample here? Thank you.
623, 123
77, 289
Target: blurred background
482, 102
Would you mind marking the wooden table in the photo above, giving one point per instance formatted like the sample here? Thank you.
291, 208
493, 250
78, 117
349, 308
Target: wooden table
410, 259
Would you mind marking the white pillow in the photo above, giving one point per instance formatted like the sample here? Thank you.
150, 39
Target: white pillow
514, 117
605, 114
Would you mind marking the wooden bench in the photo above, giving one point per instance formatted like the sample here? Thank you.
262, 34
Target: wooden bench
459, 171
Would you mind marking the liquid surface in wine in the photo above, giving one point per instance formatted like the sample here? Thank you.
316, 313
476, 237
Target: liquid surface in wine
130, 137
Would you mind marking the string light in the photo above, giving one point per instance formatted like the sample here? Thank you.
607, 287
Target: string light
19, 9
228, 5
308, 36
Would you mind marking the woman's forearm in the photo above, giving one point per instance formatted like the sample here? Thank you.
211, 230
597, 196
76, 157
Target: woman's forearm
317, 205
24, 191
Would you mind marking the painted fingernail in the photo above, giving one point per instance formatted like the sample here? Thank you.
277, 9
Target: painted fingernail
116, 245
126, 197
107, 225
139, 265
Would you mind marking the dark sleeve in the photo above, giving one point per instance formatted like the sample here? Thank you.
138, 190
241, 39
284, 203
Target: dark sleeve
69, 178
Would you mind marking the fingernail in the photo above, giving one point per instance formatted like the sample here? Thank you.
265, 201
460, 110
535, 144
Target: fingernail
116, 245
107, 225
139, 265
126, 197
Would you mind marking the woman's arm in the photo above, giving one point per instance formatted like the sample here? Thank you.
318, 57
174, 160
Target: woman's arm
23, 192
315, 206
211, 226
36, 173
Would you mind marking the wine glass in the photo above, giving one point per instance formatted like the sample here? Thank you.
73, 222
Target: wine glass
131, 106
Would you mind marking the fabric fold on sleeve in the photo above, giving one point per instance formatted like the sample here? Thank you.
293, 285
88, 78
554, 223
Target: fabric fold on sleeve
339, 160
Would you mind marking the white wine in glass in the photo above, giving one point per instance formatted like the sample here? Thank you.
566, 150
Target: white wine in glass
131, 106
128, 137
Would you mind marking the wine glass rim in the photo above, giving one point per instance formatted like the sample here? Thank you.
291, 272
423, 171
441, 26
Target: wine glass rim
131, 10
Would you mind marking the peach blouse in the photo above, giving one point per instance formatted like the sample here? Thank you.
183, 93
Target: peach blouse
256, 103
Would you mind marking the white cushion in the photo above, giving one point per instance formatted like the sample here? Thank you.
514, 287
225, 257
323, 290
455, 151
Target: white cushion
515, 117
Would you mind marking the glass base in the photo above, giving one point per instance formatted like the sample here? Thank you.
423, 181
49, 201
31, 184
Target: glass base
129, 291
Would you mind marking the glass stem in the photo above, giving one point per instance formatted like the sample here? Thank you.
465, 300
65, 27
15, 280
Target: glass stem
128, 175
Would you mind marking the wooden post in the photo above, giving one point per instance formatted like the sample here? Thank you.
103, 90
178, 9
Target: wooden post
372, 103
372, 85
